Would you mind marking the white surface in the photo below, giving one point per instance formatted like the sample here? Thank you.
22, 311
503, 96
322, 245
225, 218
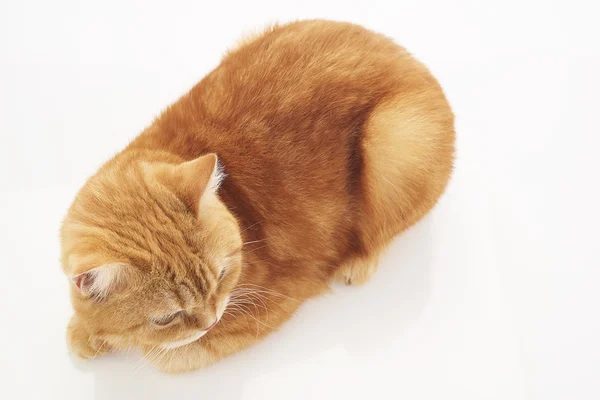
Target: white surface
493, 296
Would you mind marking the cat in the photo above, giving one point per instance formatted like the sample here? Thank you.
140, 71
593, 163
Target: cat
290, 166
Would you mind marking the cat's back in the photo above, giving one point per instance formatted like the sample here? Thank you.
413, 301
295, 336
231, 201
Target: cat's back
299, 73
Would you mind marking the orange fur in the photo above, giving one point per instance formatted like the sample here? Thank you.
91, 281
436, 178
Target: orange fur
334, 140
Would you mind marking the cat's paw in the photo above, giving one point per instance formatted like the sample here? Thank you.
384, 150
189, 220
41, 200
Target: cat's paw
356, 271
182, 359
81, 343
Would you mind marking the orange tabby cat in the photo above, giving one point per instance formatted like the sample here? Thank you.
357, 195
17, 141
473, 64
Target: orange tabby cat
331, 140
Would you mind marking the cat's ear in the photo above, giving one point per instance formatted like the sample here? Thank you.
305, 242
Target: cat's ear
194, 181
199, 178
99, 282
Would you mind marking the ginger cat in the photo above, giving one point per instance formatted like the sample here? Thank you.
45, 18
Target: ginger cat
294, 163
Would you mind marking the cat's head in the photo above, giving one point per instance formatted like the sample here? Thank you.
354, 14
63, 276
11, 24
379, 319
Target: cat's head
151, 252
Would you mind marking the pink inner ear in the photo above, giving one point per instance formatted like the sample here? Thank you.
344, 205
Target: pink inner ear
84, 281
99, 281
79, 281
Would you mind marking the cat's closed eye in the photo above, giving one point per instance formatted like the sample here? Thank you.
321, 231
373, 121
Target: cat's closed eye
222, 274
167, 319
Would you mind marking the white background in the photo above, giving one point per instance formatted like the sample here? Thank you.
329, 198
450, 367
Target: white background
493, 296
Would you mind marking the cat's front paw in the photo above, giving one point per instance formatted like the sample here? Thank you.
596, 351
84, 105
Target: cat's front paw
81, 343
182, 359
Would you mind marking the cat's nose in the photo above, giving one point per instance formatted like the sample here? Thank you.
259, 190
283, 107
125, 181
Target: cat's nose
212, 325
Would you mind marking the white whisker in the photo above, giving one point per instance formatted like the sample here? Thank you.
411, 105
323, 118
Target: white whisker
254, 224
254, 262
253, 250
253, 241
99, 348
144, 360
263, 289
